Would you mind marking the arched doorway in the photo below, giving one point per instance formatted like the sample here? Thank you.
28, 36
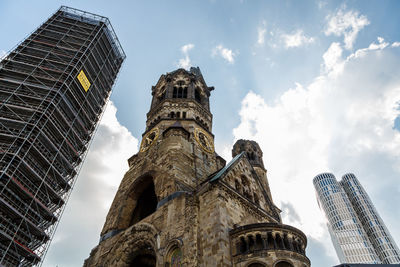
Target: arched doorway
144, 257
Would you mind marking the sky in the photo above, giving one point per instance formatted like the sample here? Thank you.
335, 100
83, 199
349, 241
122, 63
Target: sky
315, 83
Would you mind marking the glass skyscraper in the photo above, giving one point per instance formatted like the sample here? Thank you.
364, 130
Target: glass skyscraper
357, 232
54, 86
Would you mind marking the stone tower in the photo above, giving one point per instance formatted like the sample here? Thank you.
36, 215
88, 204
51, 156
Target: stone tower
180, 204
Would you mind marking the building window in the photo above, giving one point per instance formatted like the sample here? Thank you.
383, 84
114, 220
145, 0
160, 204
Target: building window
179, 92
174, 258
146, 201
197, 96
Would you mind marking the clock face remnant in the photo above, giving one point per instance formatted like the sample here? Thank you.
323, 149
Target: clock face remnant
204, 140
149, 139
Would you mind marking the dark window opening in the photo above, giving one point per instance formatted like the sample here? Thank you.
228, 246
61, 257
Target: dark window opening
270, 241
197, 96
251, 243
179, 92
256, 265
279, 242
146, 204
184, 115
242, 246
178, 114
144, 260
185, 92
251, 156
286, 242
283, 264
259, 242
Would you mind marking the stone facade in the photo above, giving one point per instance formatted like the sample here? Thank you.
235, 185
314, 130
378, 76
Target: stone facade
180, 204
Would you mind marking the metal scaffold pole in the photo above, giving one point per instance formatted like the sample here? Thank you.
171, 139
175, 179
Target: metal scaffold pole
54, 86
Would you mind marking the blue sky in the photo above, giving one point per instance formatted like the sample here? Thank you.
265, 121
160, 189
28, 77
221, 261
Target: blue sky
316, 83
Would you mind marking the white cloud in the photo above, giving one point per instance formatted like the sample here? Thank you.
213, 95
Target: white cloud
225, 53
373, 46
93, 193
333, 61
347, 24
261, 32
339, 123
396, 44
296, 39
261, 35
185, 62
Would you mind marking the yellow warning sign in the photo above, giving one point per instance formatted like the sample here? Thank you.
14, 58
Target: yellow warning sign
83, 80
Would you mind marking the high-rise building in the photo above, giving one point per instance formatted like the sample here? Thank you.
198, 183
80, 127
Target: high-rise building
53, 89
357, 232
180, 204
374, 226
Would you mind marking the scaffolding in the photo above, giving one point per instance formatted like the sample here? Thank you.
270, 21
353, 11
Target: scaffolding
47, 117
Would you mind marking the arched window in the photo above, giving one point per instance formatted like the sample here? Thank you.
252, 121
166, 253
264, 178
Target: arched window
270, 241
251, 243
259, 242
176, 258
146, 201
256, 265
279, 241
286, 241
180, 91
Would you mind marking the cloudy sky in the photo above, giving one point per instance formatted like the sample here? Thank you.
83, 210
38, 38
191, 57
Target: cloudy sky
316, 83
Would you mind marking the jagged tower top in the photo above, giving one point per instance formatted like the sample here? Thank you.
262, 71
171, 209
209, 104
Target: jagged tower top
252, 150
182, 84
181, 95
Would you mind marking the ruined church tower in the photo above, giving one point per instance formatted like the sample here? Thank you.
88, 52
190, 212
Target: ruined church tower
181, 204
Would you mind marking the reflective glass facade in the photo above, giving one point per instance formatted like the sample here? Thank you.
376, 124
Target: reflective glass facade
358, 233
373, 225
349, 239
